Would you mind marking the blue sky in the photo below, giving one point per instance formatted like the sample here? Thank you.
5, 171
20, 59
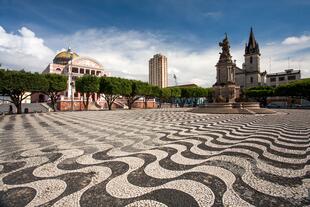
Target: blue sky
186, 31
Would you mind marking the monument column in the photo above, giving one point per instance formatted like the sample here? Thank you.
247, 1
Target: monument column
225, 89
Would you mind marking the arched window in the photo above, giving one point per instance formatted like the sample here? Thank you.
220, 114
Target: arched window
251, 60
58, 69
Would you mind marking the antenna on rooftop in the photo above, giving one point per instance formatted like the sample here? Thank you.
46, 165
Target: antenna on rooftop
270, 65
288, 63
175, 79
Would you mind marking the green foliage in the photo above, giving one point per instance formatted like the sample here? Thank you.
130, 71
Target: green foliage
21, 81
299, 88
165, 94
56, 84
16, 84
149, 91
112, 88
2, 81
155, 92
261, 88
175, 92
259, 93
194, 92
87, 85
169, 94
137, 89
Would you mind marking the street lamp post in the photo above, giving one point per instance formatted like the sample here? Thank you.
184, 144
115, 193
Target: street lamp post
70, 79
72, 85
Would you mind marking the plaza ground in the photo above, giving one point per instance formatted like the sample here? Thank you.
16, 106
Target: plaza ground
159, 157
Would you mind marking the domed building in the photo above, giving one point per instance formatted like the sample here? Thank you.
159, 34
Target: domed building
68, 61
72, 65
63, 58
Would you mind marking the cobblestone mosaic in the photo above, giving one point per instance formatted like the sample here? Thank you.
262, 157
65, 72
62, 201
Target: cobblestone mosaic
155, 158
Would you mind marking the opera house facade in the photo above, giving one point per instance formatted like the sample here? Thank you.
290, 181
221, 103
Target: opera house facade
72, 65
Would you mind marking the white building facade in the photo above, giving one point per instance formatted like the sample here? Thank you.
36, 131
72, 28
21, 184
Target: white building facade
276, 79
72, 65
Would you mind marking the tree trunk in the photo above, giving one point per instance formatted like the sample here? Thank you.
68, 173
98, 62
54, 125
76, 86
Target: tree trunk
83, 101
145, 103
110, 106
87, 101
19, 107
195, 102
129, 102
53, 101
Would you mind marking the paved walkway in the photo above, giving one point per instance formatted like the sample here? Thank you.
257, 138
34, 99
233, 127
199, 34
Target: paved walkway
155, 158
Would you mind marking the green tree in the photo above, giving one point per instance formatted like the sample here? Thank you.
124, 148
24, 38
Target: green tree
112, 88
175, 92
199, 92
19, 85
135, 92
87, 85
56, 85
260, 93
164, 95
194, 93
299, 88
2, 82
149, 92
186, 93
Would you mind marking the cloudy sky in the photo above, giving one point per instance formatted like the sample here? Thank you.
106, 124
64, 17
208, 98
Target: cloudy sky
124, 34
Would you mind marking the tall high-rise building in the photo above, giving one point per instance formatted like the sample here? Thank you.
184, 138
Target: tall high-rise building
158, 71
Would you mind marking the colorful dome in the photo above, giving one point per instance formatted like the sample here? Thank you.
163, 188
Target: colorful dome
64, 57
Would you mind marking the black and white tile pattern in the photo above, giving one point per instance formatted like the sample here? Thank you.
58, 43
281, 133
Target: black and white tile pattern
165, 157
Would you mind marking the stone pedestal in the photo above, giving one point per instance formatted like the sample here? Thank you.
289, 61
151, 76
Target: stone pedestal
219, 105
226, 93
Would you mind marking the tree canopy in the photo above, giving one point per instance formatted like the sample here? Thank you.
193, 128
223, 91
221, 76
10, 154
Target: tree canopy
112, 88
19, 85
300, 88
136, 90
55, 84
87, 85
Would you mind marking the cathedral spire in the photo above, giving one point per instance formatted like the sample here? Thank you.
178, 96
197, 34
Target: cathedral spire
252, 46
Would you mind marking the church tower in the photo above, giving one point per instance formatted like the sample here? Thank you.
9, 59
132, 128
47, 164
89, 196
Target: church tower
250, 75
252, 55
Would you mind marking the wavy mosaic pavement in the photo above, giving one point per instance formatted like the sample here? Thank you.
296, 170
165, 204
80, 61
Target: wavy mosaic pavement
155, 158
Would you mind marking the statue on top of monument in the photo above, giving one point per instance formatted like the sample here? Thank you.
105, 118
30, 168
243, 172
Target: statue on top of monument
225, 54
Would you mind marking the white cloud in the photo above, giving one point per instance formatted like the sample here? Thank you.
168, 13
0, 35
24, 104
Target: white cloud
126, 54
292, 52
297, 40
23, 50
